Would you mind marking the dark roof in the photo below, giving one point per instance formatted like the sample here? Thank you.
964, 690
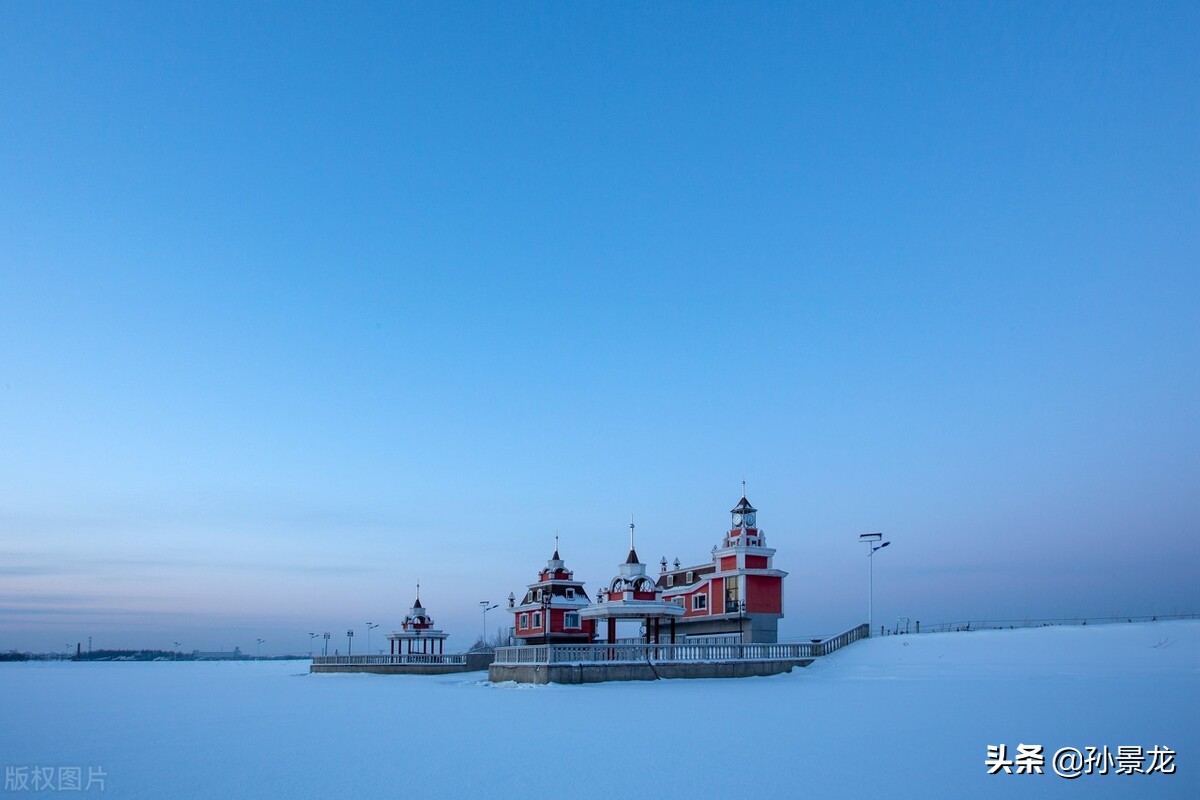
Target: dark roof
556, 556
632, 559
417, 603
558, 590
681, 576
742, 506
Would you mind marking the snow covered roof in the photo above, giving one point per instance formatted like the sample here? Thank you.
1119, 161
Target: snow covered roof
680, 576
629, 609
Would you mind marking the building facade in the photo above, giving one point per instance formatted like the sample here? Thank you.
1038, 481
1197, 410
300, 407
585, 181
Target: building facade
549, 611
738, 594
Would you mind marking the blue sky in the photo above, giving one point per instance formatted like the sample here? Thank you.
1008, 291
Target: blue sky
299, 304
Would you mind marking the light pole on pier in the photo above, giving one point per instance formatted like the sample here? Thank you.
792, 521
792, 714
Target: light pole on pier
872, 540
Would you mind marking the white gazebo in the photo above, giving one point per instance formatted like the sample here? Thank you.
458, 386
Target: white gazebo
633, 595
417, 636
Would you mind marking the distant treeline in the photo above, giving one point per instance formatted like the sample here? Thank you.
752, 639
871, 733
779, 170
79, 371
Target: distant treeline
131, 655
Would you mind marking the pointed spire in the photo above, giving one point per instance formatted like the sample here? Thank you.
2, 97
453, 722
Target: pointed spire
633, 556
556, 556
417, 602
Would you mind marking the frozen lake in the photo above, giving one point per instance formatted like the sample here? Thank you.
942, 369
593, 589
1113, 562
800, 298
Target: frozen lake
907, 716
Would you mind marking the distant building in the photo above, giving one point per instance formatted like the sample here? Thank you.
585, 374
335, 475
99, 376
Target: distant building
549, 611
738, 594
417, 636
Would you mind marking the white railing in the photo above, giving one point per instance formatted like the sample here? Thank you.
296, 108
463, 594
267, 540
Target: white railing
662, 653
406, 658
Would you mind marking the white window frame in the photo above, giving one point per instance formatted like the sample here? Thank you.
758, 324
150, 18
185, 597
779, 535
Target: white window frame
571, 619
523, 622
691, 578
538, 596
670, 581
537, 620
700, 601
570, 593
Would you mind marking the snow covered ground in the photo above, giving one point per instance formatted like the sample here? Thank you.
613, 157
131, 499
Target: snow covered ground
904, 716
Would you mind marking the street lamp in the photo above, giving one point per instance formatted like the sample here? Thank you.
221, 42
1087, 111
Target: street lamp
326, 635
370, 625
486, 605
311, 636
546, 599
349, 640
872, 540
260, 644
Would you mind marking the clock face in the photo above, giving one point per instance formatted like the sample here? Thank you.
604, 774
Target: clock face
749, 520
737, 520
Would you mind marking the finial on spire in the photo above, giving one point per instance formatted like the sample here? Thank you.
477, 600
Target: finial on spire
418, 588
631, 531
743, 487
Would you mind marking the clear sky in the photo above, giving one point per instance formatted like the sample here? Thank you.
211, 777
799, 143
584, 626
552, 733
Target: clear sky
301, 303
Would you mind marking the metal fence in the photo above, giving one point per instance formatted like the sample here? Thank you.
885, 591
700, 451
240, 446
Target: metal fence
407, 658
665, 653
906, 626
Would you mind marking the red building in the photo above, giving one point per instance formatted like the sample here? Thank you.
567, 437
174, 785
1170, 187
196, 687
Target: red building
550, 609
738, 594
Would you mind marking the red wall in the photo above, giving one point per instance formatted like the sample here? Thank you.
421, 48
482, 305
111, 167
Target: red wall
687, 603
756, 562
764, 594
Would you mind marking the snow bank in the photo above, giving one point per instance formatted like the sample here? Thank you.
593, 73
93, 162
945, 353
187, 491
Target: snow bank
904, 716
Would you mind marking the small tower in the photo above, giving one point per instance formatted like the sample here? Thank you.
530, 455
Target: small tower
417, 635
549, 612
631, 594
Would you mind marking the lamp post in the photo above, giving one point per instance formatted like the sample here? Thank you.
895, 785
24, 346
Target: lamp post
486, 605
872, 540
326, 635
370, 625
260, 644
349, 640
546, 597
311, 636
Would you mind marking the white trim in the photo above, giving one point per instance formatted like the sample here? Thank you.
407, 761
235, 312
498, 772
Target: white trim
571, 620
700, 601
523, 622
537, 621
